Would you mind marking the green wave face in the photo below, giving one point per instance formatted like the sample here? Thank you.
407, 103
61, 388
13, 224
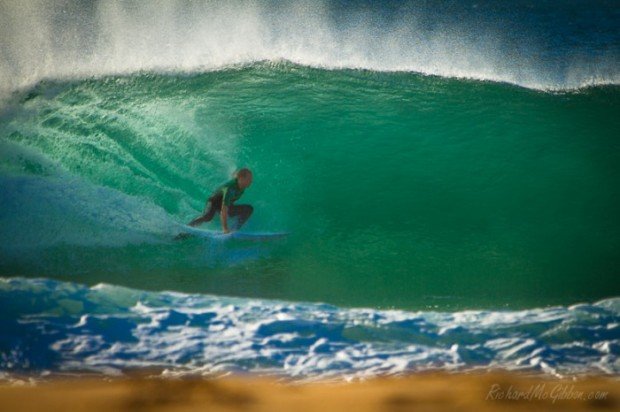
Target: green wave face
399, 190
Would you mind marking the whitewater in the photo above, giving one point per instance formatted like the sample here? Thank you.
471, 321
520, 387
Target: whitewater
64, 328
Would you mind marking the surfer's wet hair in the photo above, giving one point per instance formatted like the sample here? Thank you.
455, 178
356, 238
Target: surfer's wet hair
243, 173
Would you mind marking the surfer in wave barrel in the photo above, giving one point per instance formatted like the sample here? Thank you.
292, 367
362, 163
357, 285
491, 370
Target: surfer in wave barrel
223, 199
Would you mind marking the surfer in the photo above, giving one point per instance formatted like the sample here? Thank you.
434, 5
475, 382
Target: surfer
223, 199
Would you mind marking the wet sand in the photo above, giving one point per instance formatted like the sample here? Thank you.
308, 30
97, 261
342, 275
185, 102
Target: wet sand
419, 392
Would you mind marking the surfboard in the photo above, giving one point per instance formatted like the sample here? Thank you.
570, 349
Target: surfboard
188, 231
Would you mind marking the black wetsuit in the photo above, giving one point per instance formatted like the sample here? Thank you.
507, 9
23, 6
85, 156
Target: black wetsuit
226, 194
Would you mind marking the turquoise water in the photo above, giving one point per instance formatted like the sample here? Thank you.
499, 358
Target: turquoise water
399, 190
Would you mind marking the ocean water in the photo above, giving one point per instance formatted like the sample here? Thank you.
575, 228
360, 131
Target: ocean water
57, 328
451, 167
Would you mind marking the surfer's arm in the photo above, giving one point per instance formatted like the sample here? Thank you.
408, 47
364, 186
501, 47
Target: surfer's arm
224, 218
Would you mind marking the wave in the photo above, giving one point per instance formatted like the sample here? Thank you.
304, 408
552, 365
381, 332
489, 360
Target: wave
52, 327
97, 174
531, 44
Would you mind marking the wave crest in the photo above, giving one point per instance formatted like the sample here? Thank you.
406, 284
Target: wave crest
524, 44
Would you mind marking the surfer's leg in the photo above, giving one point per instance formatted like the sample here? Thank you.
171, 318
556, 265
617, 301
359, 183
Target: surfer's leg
208, 214
241, 212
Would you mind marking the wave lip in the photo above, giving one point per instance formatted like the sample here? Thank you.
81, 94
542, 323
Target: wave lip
527, 44
56, 327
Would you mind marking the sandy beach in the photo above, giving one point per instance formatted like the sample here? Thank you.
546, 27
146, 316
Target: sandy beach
420, 392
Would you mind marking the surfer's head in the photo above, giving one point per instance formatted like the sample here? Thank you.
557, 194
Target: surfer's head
244, 178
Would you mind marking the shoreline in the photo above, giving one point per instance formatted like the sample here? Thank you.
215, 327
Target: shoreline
437, 391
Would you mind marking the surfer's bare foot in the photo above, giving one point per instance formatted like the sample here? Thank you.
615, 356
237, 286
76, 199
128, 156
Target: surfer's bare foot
196, 221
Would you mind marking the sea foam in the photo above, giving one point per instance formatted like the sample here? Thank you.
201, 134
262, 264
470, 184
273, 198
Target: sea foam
57, 327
